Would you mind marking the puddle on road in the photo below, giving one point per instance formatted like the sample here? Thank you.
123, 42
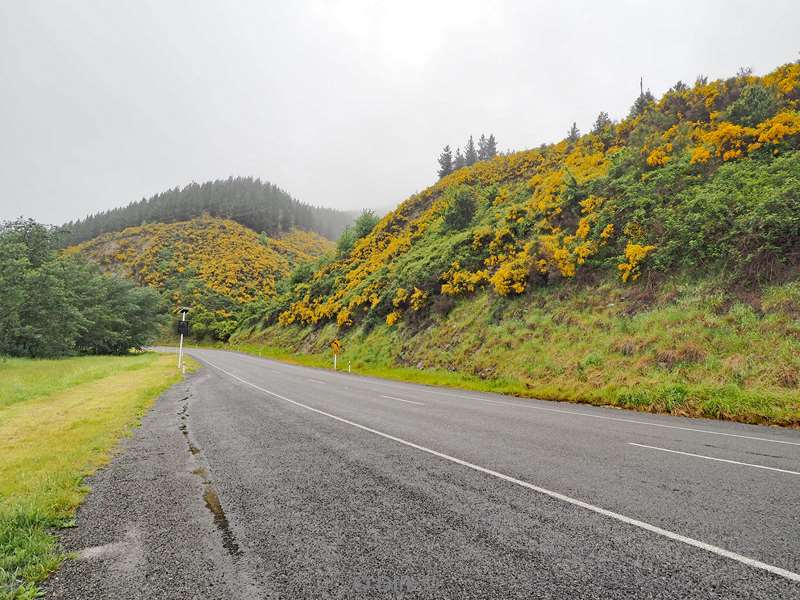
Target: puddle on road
221, 521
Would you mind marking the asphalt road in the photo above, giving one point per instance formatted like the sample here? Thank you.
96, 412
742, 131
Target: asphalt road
256, 479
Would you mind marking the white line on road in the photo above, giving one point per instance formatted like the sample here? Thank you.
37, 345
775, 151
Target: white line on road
619, 419
591, 416
316, 381
403, 400
733, 462
751, 562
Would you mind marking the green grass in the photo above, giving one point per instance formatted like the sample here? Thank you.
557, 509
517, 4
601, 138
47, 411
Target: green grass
689, 350
22, 378
63, 422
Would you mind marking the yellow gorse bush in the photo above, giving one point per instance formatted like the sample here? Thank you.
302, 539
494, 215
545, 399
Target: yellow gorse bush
531, 225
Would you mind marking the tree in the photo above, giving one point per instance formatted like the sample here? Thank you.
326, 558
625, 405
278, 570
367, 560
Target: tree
470, 154
259, 205
52, 306
460, 210
361, 228
459, 160
491, 146
482, 148
643, 101
445, 162
601, 123
754, 105
574, 133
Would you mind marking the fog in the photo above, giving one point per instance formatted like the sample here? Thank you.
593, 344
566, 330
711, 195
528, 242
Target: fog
343, 104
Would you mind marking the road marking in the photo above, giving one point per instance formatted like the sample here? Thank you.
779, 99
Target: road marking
619, 419
733, 462
403, 400
751, 562
317, 381
591, 416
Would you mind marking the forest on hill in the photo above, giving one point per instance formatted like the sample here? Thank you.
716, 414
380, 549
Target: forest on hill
259, 205
215, 266
660, 231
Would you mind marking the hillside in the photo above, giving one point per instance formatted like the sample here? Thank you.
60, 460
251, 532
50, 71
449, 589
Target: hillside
261, 206
651, 263
216, 266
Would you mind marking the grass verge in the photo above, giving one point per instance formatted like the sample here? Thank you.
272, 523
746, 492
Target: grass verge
687, 348
65, 419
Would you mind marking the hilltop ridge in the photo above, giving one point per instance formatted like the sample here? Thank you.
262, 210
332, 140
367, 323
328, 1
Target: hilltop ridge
259, 205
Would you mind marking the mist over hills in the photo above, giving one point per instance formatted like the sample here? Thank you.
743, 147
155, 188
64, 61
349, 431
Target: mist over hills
258, 205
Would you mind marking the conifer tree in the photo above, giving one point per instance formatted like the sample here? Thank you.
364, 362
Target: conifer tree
574, 133
470, 154
445, 162
601, 122
491, 146
482, 148
459, 160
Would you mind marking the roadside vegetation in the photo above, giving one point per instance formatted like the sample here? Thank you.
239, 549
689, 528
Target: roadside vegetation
51, 305
651, 263
59, 421
686, 349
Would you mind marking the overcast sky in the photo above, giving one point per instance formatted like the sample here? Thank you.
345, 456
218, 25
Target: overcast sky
344, 104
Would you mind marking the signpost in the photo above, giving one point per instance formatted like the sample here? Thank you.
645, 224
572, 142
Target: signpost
183, 329
336, 346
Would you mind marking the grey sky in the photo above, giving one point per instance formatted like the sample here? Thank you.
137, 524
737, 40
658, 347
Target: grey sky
344, 104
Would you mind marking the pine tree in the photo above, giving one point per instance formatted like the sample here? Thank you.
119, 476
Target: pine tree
482, 148
445, 162
601, 123
574, 133
470, 154
459, 161
644, 100
491, 146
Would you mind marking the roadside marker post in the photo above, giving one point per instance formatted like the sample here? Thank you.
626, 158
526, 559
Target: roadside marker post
336, 346
183, 328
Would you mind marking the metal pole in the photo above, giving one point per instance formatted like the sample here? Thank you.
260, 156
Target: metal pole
180, 347
334, 361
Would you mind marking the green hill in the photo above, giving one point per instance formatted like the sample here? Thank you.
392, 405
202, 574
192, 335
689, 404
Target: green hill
650, 263
215, 266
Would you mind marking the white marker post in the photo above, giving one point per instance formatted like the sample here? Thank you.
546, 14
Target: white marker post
182, 328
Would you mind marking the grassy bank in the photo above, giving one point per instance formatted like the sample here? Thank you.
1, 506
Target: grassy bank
60, 421
687, 349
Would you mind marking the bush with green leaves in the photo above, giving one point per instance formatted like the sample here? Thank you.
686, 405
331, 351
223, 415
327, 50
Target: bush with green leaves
52, 306
364, 224
460, 210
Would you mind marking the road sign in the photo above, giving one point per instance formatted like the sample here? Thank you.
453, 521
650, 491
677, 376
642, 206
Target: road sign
183, 329
336, 346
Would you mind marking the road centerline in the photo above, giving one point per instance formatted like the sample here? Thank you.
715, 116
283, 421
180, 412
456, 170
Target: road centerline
403, 400
617, 419
745, 560
725, 460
